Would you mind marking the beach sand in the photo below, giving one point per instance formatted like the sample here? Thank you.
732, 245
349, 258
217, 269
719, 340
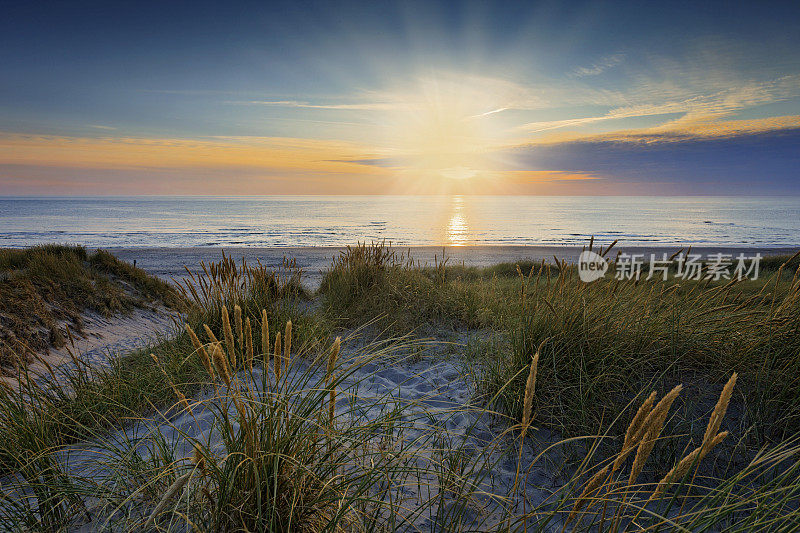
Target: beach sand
168, 263
437, 392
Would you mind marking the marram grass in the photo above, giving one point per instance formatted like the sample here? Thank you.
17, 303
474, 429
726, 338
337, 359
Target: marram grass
294, 451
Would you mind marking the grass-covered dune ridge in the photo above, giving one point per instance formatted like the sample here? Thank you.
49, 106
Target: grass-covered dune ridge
45, 289
256, 417
607, 340
86, 400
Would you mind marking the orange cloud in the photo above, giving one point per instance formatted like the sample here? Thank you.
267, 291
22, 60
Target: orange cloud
31, 164
683, 129
273, 154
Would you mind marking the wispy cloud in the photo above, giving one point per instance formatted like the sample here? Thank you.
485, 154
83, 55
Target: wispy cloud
600, 66
492, 112
697, 110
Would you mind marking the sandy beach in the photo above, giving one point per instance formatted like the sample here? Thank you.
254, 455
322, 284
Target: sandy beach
169, 263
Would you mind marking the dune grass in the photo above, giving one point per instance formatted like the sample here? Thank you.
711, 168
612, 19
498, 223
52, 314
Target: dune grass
607, 340
283, 440
45, 289
79, 401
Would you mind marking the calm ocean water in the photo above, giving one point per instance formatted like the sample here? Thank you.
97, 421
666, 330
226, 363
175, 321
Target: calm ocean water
403, 220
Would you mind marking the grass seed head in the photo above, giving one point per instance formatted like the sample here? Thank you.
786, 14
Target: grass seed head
237, 319
530, 387
211, 336
265, 336
594, 484
201, 351
680, 470
199, 460
171, 492
248, 341
287, 345
635, 431
228, 333
333, 355
720, 409
221, 364
653, 425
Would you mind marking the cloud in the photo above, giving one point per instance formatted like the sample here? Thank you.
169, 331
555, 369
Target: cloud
695, 111
600, 67
762, 161
233, 153
698, 127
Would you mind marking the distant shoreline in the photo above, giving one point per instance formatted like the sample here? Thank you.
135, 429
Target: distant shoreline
168, 263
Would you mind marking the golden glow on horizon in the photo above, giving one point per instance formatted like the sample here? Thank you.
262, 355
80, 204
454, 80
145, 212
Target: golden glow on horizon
439, 138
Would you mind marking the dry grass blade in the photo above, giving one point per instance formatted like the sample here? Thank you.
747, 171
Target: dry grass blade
332, 358
171, 492
181, 397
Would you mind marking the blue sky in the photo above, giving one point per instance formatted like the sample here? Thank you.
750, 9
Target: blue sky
400, 97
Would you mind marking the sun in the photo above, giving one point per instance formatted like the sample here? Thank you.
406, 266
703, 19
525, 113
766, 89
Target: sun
441, 137
444, 128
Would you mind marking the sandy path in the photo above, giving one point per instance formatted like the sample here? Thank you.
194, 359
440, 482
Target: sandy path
439, 418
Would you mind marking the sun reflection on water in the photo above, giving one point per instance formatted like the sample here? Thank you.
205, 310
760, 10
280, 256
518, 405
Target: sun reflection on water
458, 232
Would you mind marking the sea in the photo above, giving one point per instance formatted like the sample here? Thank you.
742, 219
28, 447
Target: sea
335, 221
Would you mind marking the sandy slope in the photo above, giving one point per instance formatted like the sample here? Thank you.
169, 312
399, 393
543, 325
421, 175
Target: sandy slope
104, 336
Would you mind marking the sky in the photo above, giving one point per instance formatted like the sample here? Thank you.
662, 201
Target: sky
542, 98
